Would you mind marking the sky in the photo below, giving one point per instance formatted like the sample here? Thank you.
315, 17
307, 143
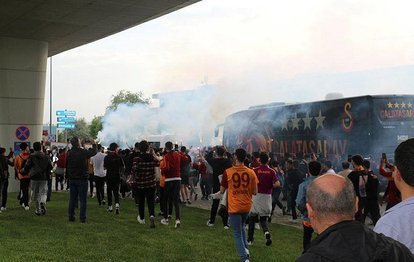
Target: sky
256, 52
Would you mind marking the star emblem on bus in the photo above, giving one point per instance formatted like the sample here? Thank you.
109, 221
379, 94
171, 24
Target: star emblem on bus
319, 120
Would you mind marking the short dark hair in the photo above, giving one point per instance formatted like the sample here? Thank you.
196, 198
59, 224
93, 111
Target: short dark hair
264, 158
404, 160
366, 164
23, 146
220, 151
143, 146
295, 163
345, 165
183, 149
113, 146
314, 168
37, 146
74, 141
256, 154
240, 154
357, 159
169, 145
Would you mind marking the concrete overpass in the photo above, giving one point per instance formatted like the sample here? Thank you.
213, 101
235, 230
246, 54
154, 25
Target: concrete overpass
32, 30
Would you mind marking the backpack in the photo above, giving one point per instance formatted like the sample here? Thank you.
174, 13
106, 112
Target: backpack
362, 184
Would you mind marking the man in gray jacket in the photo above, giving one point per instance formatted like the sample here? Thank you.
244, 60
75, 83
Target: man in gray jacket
38, 166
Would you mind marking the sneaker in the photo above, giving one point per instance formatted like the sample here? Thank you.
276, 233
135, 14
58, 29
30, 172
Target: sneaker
23, 205
43, 208
169, 216
247, 252
268, 238
226, 227
141, 221
152, 222
177, 223
250, 242
117, 208
109, 209
209, 224
26, 208
103, 202
188, 202
164, 222
256, 226
3, 208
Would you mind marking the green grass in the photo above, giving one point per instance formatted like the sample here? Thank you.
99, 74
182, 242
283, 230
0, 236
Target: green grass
107, 237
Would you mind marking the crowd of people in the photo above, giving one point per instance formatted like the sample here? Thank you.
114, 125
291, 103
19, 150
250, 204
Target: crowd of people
244, 189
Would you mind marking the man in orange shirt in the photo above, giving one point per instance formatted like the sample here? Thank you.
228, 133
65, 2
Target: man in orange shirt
19, 163
241, 183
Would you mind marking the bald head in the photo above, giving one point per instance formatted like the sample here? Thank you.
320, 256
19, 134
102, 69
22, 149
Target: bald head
332, 196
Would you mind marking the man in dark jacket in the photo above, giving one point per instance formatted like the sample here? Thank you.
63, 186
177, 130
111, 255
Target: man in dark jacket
76, 172
39, 166
331, 203
219, 163
359, 180
293, 179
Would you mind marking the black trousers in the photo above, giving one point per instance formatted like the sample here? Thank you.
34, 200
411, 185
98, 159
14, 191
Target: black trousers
59, 178
252, 221
112, 189
91, 179
372, 208
100, 185
24, 187
149, 194
214, 207
163, 208
172, 191
4, 193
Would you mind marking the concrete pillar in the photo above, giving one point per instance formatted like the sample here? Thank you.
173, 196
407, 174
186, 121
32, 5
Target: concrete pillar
22, 91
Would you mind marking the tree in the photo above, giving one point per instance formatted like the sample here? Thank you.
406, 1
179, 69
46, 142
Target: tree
95, 126
81, 130
127, 97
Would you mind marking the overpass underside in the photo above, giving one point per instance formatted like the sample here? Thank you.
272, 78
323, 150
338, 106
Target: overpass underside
33, 30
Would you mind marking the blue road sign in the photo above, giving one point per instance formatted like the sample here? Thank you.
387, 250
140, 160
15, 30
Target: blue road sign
52, 138
22, 133
68, 126
70, 113
65, 113
66, 119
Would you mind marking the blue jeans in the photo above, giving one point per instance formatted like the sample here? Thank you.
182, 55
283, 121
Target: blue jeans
78, 190
237, 222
